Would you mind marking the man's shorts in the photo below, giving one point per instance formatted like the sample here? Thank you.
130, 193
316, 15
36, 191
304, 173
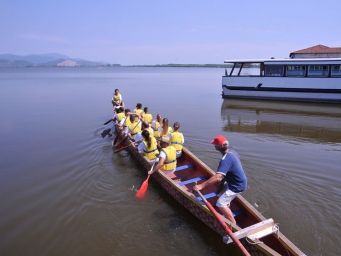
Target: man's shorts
225, 197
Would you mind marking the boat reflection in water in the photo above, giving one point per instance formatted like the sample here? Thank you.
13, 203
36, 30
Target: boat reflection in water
319, 122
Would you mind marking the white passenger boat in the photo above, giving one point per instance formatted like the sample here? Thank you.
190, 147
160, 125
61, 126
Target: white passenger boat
311, 80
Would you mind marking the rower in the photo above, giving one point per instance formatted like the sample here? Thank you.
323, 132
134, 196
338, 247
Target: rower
138, 109
120, 114
167, 158
148, 146
116, 100
145, 127
134, 125
156, 124
177, 139
147, 117
164, 128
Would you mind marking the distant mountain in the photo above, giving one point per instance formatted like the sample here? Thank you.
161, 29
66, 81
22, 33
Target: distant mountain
15, 63
35, 58
60, 63
48, 59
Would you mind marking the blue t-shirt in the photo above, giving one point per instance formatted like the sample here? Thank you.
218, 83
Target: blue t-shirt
231, 167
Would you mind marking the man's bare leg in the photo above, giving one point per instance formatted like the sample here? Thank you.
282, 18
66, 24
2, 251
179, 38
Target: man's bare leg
228, 214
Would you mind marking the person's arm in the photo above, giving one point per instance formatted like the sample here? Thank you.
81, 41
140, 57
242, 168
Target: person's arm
141, 147
115, 117
211, 181
158, 166
138, 137
145, 123
122, 121
130, 137
134, 114
127, 130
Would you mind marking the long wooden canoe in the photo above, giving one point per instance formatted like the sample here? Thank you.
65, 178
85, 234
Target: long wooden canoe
259, 235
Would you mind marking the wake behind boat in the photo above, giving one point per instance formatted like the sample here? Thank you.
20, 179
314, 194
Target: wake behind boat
310, 80
260, 236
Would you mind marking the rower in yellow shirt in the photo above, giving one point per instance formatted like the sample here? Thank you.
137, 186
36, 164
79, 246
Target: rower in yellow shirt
167, 158
156, 124
116, 100
138, 110
148, 146
134, 125
147, 117
177, 139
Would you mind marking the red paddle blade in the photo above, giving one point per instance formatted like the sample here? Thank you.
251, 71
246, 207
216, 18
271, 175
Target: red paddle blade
143, 188
118, 150
122, 142
116, 138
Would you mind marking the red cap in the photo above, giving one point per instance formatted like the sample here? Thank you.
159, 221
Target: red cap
219, 140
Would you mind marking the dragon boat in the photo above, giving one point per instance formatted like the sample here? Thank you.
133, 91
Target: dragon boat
260, 236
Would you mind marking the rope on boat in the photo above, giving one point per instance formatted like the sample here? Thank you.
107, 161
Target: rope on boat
250, 242
276, 226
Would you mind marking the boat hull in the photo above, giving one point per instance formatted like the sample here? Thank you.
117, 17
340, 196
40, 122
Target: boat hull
282, 88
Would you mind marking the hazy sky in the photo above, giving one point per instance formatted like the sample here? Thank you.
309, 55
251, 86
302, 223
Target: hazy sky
161, 32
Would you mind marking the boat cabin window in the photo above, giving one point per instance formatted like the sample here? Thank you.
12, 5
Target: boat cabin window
295, 70
318, 70
235, 69
336, 70
273, 70
250, 69
246, 69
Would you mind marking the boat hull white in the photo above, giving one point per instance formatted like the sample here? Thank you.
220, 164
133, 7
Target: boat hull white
282, 88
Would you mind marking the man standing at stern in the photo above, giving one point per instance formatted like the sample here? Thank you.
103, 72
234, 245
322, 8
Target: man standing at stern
231, 173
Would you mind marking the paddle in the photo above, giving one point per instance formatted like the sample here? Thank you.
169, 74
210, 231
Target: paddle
107, 122
106, 132
122, 142
140, 193
223, 224
120, 149
117, 136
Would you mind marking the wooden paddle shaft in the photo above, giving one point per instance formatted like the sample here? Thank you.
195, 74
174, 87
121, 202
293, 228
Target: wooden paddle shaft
222, 222
107, 122
118, 150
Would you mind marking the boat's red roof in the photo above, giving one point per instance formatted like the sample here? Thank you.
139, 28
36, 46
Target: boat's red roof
318, 49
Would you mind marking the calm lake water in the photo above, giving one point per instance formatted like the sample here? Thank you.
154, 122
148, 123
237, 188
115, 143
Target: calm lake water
63, 192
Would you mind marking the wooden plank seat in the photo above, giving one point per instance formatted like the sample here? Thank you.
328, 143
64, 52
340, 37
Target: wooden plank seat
238, 212
255, 232
207, 196
183, 167
193, 180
